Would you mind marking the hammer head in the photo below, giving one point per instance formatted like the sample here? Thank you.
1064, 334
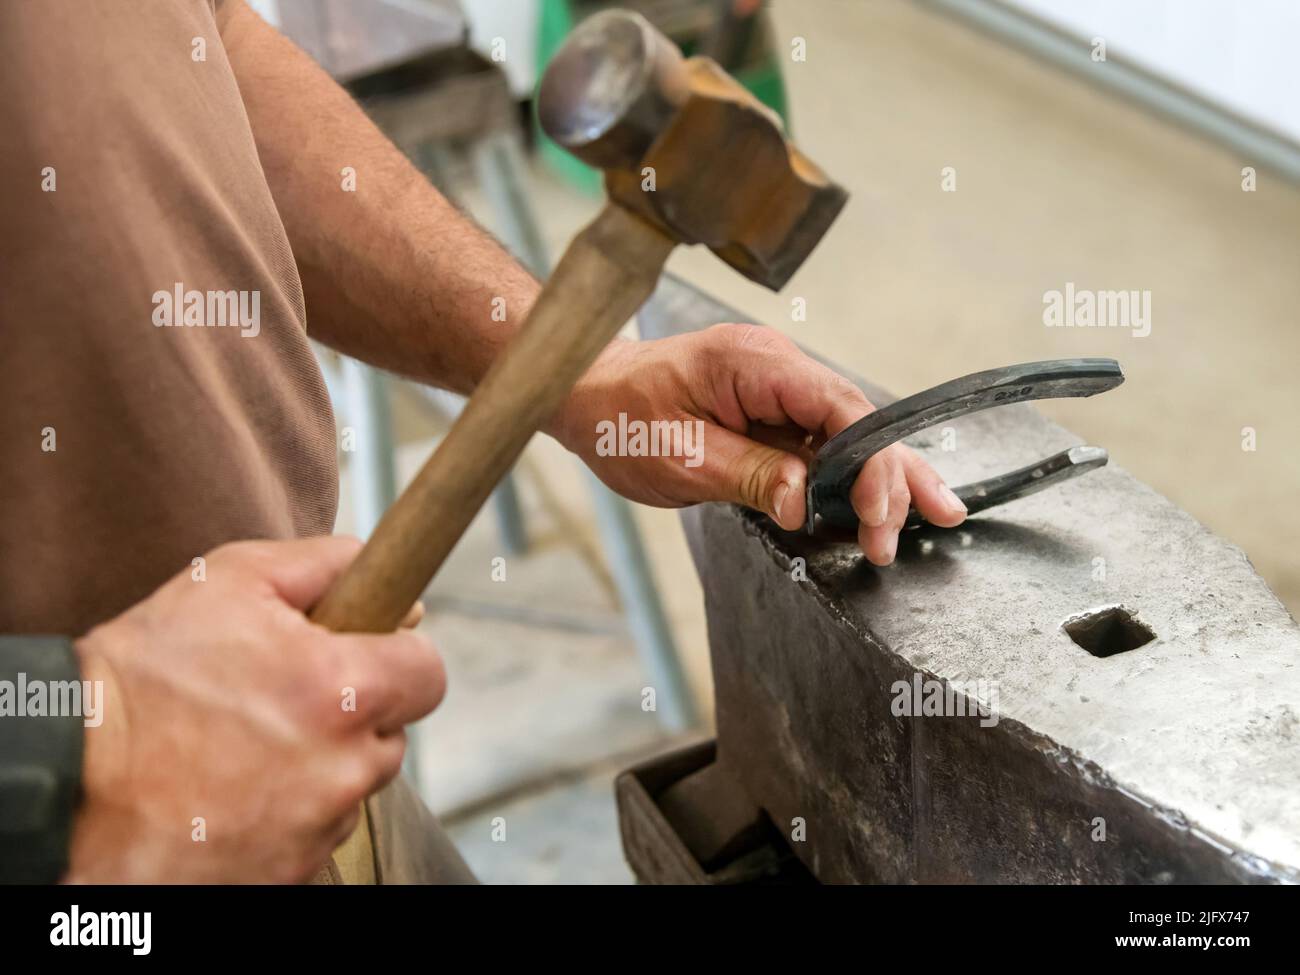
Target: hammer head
686, 147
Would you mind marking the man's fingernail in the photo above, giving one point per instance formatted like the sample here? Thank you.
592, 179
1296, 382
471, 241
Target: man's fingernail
954, 502
778, 499
891, 548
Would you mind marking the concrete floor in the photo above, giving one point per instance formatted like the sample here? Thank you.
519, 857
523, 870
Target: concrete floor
1056, 182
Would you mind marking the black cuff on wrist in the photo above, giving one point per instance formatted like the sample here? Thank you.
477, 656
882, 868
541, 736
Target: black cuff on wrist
41, 743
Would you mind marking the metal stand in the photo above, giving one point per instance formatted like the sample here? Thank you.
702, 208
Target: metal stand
371, 470
645, 613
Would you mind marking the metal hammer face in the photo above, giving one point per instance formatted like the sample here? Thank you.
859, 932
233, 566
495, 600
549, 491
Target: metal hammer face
686, 147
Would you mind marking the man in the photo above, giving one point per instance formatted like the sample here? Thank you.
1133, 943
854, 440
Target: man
158, 154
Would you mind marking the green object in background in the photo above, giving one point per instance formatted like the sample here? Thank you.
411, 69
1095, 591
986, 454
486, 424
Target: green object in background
762, 78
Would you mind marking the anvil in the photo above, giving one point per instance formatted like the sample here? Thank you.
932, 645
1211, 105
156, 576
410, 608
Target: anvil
1148, 692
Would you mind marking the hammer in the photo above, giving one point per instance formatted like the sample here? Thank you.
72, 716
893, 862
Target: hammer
689, 157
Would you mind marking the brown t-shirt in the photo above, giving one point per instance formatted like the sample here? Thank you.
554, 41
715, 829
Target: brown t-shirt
137, 431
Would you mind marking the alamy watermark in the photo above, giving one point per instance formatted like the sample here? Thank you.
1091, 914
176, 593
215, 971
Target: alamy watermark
656, 438
1081, 308
127, 929
53, 699
934, 698
211, 309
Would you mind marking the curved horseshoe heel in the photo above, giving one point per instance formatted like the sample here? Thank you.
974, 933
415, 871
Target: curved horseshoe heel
837, 464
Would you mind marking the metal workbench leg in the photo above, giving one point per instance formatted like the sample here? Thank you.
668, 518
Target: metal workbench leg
642, 608
371, 468
499, 166
434, 160
510, 517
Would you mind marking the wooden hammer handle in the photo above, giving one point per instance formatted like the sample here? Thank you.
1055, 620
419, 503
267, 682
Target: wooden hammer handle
608, 271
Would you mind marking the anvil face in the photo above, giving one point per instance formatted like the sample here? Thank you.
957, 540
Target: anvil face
1163, 752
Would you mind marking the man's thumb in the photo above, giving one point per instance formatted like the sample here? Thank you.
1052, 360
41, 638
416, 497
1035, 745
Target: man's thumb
761, 477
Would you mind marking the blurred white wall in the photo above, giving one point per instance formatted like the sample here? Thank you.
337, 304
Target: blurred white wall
515, 23
1240, 55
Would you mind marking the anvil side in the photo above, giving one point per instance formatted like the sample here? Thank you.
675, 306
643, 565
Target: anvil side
1172, 762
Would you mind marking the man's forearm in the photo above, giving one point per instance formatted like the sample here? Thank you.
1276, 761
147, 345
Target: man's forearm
392, 273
